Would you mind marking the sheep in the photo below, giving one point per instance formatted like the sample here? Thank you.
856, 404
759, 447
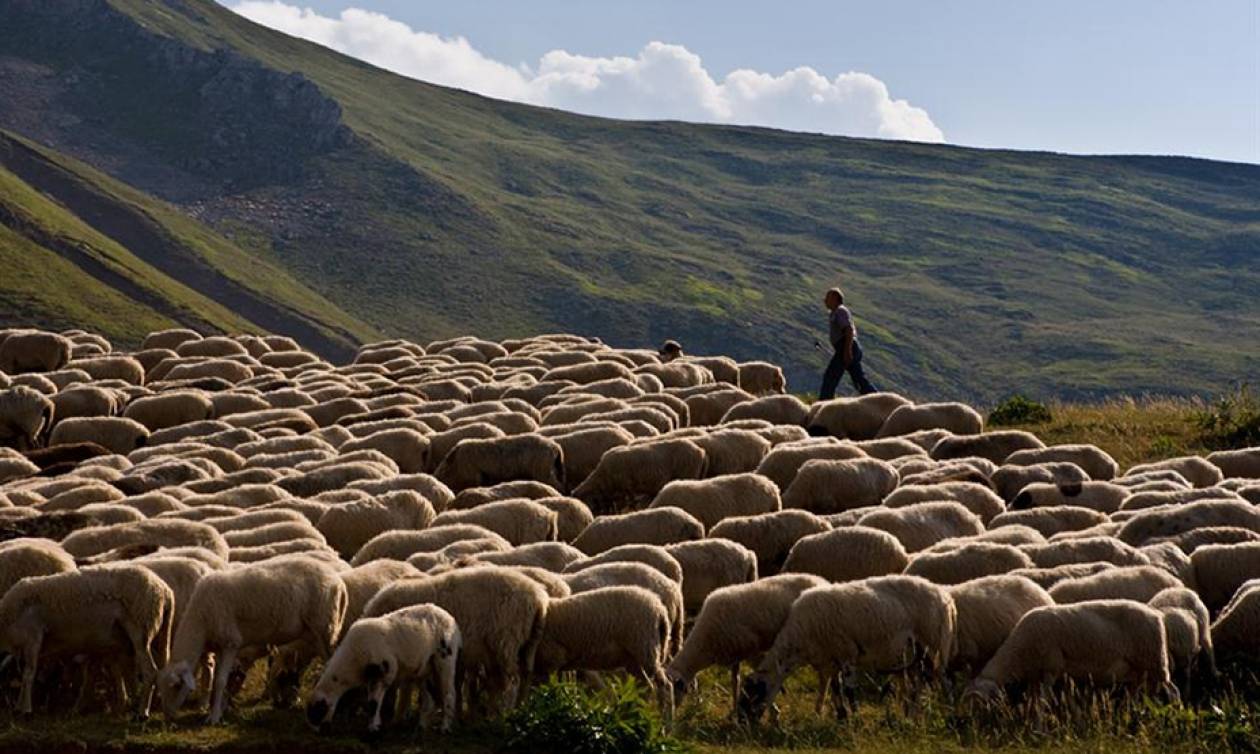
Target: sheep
832, 486
518, 521
1139, 583
1095, 461
500, 612
1236, 631
1048, 577
548, 556
1198, 471
1171, 559
656, 526
732, 451
708, 408
282, 531
24, 416
1243, 463
122, 368
523, 488
246, 609
782, 463
1103, 497
34, 351
968, 561
1051, 520
875, 624
1188, 628
710, 564
714, 499
857, 418
977, 498
170, 409
776, 409
1190, 541
429, 487
922, 525
1159, 523
1009, 480
334, 477
1219, 570
892, 449
989, 608
20, 558
770, 536
364, 581
164, 532
572, 516
95, 611
584, 447
1144, 499
411, 644
473, 462
15, 467
348, 527
760, 378
86, 400
847, 554
736, 623
117, 434
993, 446
406, 447
1085, 550
642, 575
401, 545
640, 471
955, 418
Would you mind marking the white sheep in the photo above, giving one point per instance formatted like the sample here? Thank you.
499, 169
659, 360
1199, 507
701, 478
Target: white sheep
858, 418
349, 526
1010, 479
163, 532
847, 554
1219, 570
1103, 497
518, 521
988, 610
1188, 627
710, 564
1085, 550
1096, 462
1236, 632
24, 416
625, 573
402, 544
770, 536
831, 486
520, 488
783, 462
978, 498
1138, 583
640, 471
1198, 471
408, 645
994, 446
170, 409
1158, 523
1243, 463
955, 418
1051, 520
922, 525
966, 562
760, 377
714, 499
653, 556
654, 526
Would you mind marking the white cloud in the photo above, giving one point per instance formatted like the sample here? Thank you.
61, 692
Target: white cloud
663, 81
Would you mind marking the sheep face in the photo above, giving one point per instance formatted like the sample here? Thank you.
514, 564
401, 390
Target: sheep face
175, 683
345, 672
755, 694
984, 690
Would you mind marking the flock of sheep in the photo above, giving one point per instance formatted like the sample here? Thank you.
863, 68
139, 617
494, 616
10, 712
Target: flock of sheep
442, 525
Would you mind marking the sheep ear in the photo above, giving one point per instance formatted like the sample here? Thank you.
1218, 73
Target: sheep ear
375, 671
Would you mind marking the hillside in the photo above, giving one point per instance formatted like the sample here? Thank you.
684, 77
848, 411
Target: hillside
353, 202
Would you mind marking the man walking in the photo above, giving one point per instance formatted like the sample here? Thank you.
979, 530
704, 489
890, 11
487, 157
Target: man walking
848, 356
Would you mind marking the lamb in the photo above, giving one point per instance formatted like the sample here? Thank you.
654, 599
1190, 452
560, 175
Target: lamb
1051, 520
857, 418
1113, 641
500, 612
34, 351
783, 462
1138, 583
640, 471
993, 446
163, 532
1103, 497
1198, 471
967, 562
1085, 550
267, 604
874, 624
1243, 463
474, 463
977, 498
714, 499
518, 521
170, 409
989, 608
1009, 480
1159, 523
401, 545
955, 418
922, 525
95, 611
655, 526
1188, 628
1095, 461
711, 564
770, 536
117, 434
24, 416
830, 486
412, 644
1219, 570
760, 378
349, 526
847, 554
736, 624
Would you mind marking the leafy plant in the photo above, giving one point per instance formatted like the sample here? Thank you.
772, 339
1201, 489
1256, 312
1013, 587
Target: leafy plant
1020, 410
565, 717
1233, 421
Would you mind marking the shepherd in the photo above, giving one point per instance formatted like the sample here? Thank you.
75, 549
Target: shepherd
848, 352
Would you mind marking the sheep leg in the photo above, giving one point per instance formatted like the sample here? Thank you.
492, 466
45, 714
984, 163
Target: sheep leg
85, 683
735, 689
825, 677
377, 697
222, 672
447, 684
146, 673
30, 660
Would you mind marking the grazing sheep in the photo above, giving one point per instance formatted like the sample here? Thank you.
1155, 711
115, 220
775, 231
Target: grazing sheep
1236, 632
1095, 461
101, 368
548, 556
24, 416
349, 526
163, 532
253, 607
1198, 471
776, 409
714, 499
1009, 480
760, 378
1192, 540
117, 434
408, 645
655, 526
736, 624
406, 447
1115, 641
572, 516
98, 611
654, 556
518, 521
770, 536
640, 471
968, 561
642, 575
34, 351
334, 477
732, 451
86, 400
1144, 499
525, 488
1138, 583
364, 581
783, 462
20, 558
922, 525
875, 624
429, 487
1157, 523
1051, 520
478, 463
708, 408
170, 409
858, 418
847, 554
989, 608
955, 418
1103, 497
500, 612
1189, 631
401, 545
993, 446
1243, 463
977, 498
1085, 550
283, 531
711, 564
828, 486
1219, 570
892, 449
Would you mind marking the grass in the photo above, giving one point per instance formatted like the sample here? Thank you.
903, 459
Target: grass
971, 272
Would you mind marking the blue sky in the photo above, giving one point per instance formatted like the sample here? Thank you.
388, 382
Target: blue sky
1107, 76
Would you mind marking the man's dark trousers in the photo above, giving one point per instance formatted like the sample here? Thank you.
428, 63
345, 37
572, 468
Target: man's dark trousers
836, 370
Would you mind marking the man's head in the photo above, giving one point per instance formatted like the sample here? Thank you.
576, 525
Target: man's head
833, 298
671, 350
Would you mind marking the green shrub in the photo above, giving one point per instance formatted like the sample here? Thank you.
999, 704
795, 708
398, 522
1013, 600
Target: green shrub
1233, 421
569, 719
1019, 410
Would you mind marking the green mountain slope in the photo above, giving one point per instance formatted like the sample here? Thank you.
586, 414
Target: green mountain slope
425, 212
